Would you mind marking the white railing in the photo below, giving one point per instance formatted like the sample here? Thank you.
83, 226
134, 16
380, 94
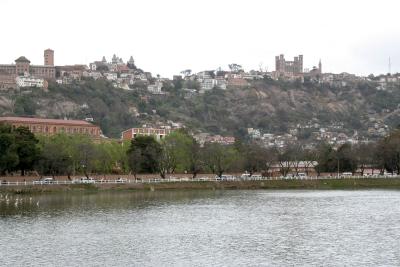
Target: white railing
179, 180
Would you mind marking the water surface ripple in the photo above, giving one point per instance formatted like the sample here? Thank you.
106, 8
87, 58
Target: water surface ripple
206, 228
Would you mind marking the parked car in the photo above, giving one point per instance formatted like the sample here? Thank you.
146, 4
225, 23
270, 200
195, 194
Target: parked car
226, 177
122, 180
256, 177
302, 175
45, 180
245, 176
346, 174
85, 180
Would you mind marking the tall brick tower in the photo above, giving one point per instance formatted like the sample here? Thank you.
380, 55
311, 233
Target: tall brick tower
49, 57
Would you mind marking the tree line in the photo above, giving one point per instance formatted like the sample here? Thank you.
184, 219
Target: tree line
179, 152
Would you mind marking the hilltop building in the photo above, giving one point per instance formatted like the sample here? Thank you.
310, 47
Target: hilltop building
294, 69
288, 68
23, 68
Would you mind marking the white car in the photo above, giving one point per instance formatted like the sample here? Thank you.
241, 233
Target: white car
85, 180
46, 180
122, 180
346, 174
245, 176
226, 177
256, 177
302, 175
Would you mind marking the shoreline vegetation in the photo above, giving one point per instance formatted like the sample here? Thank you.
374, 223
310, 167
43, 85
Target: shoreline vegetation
64, 155
317, 184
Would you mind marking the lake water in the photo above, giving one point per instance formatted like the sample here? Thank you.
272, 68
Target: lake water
202, 228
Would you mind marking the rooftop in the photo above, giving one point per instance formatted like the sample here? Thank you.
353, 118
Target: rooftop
22, 59
45, 121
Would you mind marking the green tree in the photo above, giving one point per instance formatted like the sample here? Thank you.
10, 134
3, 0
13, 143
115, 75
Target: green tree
25, 105
326, 158
364, 155
219, 158
194, 159
253, 157
143, 154
54, 160
8, 152
27, 149
389, 153
346, 157
86, 155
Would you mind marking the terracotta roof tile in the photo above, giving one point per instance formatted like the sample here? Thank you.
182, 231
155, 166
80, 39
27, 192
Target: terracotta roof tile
48, 121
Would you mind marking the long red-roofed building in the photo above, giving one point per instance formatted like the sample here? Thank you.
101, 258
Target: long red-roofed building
53, 126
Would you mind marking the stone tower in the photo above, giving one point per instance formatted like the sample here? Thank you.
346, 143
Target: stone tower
49, 57
320, 67
300, 64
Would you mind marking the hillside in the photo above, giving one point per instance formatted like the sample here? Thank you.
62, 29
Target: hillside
268, 105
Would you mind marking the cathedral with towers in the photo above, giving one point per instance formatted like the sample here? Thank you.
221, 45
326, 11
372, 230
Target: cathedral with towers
294, 69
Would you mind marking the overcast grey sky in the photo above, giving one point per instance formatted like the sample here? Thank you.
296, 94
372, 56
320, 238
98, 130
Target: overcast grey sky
165, 37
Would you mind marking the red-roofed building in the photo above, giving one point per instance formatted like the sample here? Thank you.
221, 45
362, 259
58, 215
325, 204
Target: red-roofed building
123, 68
133, 132
53, 126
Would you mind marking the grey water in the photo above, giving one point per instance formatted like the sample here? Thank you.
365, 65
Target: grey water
202, 228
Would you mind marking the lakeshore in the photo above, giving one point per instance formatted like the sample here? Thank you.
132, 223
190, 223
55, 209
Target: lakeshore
316, 184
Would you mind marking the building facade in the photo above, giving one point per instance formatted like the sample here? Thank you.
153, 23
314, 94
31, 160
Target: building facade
158, 133
289, 68
23, 67
28, 81
53, 126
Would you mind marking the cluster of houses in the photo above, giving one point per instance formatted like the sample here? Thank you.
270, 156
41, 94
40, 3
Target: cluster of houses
220, 79
123, 75
127, 76
203, 138
272, 140
334, 135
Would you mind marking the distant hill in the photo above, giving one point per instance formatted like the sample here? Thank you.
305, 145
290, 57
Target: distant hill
272, 106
